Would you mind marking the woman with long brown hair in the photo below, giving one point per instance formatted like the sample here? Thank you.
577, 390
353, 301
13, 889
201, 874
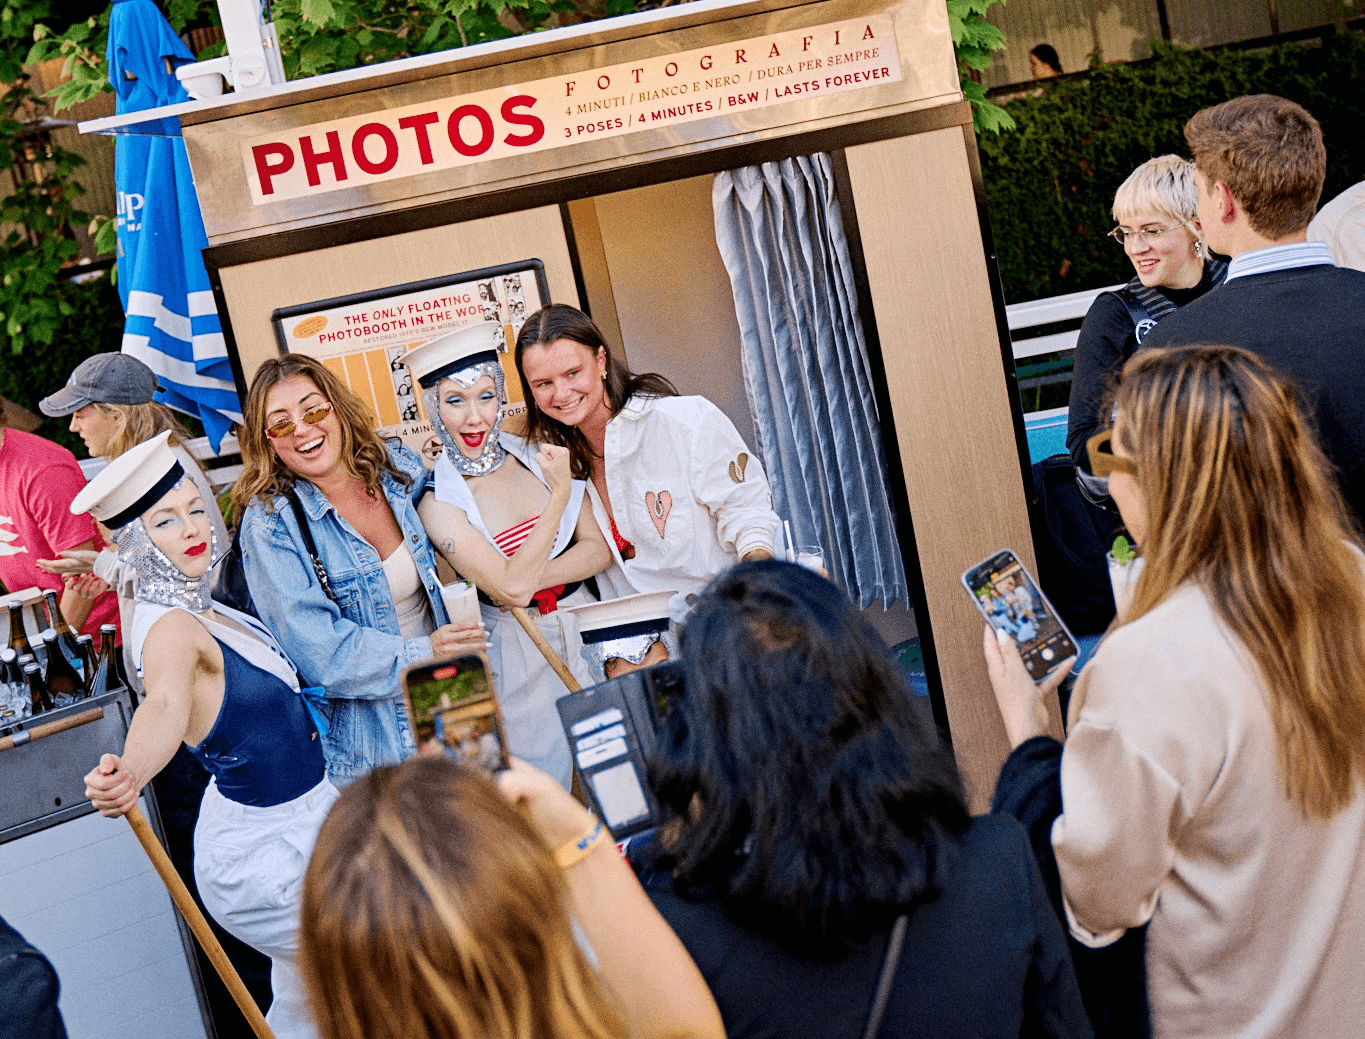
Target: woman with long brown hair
1210, 783
368, 604
437, 905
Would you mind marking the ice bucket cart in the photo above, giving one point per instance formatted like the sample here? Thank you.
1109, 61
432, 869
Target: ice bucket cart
590, 150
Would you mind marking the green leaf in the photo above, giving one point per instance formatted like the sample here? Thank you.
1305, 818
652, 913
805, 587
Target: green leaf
318, 13
104, 232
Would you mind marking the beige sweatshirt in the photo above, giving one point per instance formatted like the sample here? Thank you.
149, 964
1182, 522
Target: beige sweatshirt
1174, 811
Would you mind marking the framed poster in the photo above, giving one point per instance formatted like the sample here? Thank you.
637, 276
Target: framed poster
362, 338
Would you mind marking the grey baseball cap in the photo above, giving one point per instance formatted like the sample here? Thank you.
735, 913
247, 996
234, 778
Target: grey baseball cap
103, 379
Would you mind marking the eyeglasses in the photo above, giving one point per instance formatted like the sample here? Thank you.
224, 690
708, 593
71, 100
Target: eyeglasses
1103, 461
311, 416
1121, 236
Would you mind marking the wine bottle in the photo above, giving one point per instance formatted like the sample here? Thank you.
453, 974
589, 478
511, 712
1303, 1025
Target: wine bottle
18, 638
66, 638
40, 620
105, 676
13, 689
63, 681
9, 667
89, 663
40, 699
116, 667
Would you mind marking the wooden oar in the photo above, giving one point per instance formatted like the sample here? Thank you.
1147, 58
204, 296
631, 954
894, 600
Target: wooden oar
561, 669
50, 728
184, 901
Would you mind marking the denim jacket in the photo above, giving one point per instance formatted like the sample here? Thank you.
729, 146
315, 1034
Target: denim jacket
352, 648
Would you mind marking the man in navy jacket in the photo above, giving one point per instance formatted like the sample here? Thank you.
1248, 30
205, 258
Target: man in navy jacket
1260, 165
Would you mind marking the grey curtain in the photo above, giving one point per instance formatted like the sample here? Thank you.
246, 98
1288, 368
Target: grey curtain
806, 370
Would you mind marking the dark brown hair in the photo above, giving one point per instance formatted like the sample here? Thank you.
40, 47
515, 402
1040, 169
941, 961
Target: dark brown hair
433, 910
1269, 153
561, 321
804, 789
264, 476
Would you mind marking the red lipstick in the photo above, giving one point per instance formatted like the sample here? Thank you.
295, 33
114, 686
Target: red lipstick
198, 549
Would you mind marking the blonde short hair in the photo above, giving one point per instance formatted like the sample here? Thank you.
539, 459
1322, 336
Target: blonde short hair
1165, 186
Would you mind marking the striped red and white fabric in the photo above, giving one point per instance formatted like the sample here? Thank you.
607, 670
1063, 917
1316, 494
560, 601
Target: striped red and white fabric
512, 538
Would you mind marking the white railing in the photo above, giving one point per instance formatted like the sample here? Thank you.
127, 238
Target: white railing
1071, 307
222, 469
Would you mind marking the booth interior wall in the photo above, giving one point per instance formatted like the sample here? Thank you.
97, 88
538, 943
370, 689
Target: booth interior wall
672, 294
254, 290
669, 294
950, 405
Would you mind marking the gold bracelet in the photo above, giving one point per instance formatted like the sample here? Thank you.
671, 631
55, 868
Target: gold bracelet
575, 851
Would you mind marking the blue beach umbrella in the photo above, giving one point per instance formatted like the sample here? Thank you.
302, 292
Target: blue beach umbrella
172, 325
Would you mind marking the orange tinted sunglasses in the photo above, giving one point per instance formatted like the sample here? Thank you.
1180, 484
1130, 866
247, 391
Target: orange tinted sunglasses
311, 416
1103, 461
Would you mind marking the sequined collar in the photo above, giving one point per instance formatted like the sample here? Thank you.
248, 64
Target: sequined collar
160, 581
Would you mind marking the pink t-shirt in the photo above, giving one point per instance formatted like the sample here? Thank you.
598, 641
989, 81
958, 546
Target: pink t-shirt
38, 480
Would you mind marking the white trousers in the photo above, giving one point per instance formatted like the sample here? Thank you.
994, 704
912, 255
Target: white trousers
249, 863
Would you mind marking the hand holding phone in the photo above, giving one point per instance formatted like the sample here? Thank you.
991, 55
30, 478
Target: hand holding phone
1009, 599
451, 703
557, 816
1020, 701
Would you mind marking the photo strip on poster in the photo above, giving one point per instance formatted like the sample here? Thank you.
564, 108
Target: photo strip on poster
362, 338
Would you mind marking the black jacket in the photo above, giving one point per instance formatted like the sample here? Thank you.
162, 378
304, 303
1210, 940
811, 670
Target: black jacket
28, 990
1309, 323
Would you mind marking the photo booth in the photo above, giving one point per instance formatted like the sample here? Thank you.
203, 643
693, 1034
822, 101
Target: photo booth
776, 204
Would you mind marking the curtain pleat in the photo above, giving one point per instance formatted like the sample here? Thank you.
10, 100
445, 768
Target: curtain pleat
806, 371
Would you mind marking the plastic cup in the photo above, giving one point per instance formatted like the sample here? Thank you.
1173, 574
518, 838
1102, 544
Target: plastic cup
812, 557
462, 602
1123, 578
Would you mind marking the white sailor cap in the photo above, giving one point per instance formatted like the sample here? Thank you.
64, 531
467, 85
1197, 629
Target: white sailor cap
643, 614
131, 484
465, 347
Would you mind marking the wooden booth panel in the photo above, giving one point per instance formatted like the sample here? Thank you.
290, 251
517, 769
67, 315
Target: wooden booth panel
254, 290
950, 402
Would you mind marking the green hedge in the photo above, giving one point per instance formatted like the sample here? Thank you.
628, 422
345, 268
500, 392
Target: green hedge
1049, 185
95, 326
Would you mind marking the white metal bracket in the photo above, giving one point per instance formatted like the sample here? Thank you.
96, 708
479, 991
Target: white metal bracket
253, 58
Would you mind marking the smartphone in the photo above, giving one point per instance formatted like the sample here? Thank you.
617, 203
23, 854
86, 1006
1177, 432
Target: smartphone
1011, 601
612, 733
452, 702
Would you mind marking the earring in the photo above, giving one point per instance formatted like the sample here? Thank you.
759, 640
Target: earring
604, 375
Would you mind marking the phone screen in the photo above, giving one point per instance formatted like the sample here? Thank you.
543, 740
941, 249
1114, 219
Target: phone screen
452, 702
1011, 602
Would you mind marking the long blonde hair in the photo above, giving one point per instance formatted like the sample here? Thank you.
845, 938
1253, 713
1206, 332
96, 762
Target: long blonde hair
1239, 499
431, 908
141, 422
264, 476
